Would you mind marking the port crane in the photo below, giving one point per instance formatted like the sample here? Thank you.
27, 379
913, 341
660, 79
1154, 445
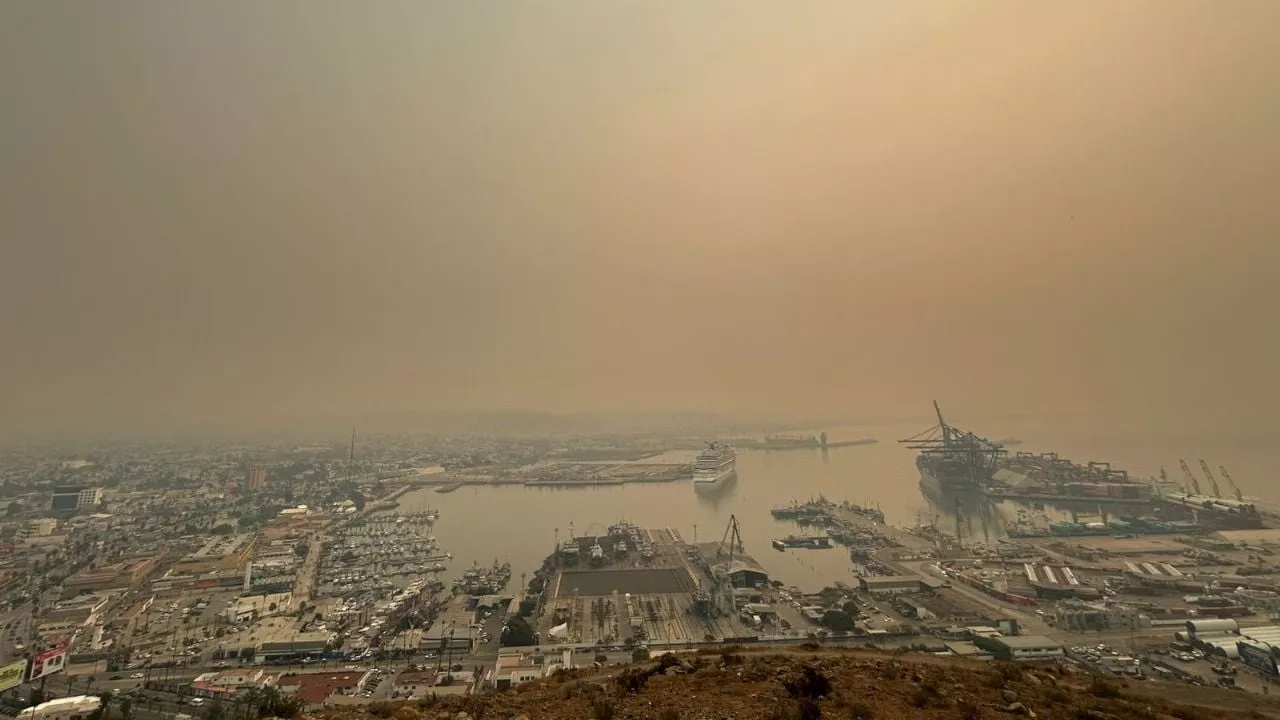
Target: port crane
1217, 491
1195, 484
729, 544
732, 538
1230, 481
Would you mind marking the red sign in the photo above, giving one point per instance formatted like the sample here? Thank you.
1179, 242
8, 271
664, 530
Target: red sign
48, 663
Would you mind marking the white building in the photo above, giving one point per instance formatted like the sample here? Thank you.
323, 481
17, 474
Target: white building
1029, 647
76, 707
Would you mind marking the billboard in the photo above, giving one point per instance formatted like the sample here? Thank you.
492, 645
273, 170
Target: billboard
13, 674
1257, 657
48, 663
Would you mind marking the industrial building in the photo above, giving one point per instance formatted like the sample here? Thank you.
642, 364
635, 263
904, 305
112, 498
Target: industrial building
124, 574
223, 553
1022, 647
255, 478
74, 497
1078, 616
890, 584
451, 631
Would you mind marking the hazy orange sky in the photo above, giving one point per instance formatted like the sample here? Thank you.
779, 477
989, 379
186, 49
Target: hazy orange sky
233, 214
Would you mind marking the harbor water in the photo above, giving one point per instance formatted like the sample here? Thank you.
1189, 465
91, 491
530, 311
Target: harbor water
521, 524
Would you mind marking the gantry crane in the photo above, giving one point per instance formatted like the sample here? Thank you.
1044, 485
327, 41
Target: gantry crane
1195, 484
1217, 491
1234, 487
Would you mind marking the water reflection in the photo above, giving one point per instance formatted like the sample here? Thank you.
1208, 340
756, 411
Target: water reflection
712, 495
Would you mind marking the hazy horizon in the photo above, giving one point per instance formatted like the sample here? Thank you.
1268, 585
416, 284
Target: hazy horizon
238, 216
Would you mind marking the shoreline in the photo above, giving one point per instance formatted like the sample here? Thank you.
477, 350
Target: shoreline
446, 485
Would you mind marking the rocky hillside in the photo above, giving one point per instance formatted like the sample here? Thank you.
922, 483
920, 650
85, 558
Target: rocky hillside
808, 684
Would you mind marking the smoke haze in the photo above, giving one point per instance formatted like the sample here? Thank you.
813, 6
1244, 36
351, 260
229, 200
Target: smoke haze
234, 214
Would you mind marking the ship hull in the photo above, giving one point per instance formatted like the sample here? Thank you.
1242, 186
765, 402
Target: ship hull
716, 478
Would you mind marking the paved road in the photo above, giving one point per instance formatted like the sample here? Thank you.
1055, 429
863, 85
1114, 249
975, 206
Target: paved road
304, 583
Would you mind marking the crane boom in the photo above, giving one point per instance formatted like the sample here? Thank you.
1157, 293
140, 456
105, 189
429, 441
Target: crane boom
1195, 484
1217, 492
1231, 481
732, 538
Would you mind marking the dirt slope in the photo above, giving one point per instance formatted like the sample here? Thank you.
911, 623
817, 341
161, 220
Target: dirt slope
831, 684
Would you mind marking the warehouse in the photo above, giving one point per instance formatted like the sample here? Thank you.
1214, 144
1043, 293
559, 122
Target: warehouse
890, 584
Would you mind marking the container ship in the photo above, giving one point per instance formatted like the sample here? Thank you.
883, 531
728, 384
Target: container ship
952, 459
716, 463
955, 460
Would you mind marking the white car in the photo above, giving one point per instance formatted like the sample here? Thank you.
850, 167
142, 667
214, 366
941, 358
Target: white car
136, 676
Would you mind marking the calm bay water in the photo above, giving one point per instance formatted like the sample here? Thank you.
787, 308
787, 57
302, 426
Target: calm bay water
519, 524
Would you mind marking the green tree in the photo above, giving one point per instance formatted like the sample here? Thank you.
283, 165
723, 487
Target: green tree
639, 655
272, 703
851, 609
223, 529
104, 710
126, 708
518, 633
214, 710
838, 620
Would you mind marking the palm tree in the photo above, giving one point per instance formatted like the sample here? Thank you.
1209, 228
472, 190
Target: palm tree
126, 708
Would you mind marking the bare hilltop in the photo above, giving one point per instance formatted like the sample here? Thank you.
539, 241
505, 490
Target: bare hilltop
810, 682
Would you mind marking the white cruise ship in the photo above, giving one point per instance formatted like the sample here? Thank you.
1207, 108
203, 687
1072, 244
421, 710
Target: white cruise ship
715, 463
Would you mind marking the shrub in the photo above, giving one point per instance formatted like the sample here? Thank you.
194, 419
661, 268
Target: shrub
1009, 670
381, 709
632, 680
861, 710
921, 698
808, 709
1103, 688
1057, 695
666, 661
669, 714
602, 709
405, 713
809, 683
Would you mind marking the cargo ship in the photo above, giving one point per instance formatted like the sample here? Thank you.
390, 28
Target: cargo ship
952, 459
